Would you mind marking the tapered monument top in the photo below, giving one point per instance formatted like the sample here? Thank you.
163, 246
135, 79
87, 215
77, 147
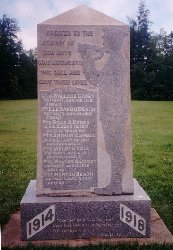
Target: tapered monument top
82, 15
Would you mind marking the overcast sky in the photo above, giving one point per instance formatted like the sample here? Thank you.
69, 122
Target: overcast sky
30, 12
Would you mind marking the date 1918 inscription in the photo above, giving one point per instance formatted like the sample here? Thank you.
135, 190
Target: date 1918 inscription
132, 219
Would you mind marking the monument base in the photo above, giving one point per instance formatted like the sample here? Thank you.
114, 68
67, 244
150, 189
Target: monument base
49, 218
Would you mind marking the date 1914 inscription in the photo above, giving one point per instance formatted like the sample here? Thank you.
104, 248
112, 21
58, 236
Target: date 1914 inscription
69, 138
40, 221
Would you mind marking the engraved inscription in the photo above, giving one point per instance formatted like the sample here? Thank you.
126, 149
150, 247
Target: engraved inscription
75, 225
58, 59
132, 219
69, 138
40, 221
90, 59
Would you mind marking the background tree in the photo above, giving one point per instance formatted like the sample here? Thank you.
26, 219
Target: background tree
143, 50
164, 75
27, 73
17, 66
151, 59
10, 48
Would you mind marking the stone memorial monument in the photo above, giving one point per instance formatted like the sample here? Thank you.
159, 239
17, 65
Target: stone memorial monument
85, 186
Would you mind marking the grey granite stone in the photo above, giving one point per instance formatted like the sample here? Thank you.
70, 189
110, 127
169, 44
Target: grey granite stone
45, 218
84, 133
85, 185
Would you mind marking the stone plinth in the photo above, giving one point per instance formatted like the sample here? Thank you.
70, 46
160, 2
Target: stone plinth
45, 218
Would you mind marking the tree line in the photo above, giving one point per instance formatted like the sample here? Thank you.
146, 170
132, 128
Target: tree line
17, 66
151, 61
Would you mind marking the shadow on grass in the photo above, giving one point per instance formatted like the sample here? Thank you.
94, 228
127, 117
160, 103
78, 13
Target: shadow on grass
4, 219
99, 247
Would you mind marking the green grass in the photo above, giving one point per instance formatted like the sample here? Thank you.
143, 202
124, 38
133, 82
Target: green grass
152, 153
17, 152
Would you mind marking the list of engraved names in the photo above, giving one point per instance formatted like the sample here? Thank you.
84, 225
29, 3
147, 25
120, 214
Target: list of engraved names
69, 138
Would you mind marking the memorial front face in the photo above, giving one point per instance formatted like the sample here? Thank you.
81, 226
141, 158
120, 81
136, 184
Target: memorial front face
84, 135
84, 140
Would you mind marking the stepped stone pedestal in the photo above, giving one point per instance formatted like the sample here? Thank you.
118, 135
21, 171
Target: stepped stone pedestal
85, 217
85, 186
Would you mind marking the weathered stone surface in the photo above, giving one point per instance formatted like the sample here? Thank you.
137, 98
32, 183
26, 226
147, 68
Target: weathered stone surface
45, 218
84, 135
83, 15
69, 144
159, 234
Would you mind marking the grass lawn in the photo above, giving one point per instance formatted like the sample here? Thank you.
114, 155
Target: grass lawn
17, 152
152, 124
